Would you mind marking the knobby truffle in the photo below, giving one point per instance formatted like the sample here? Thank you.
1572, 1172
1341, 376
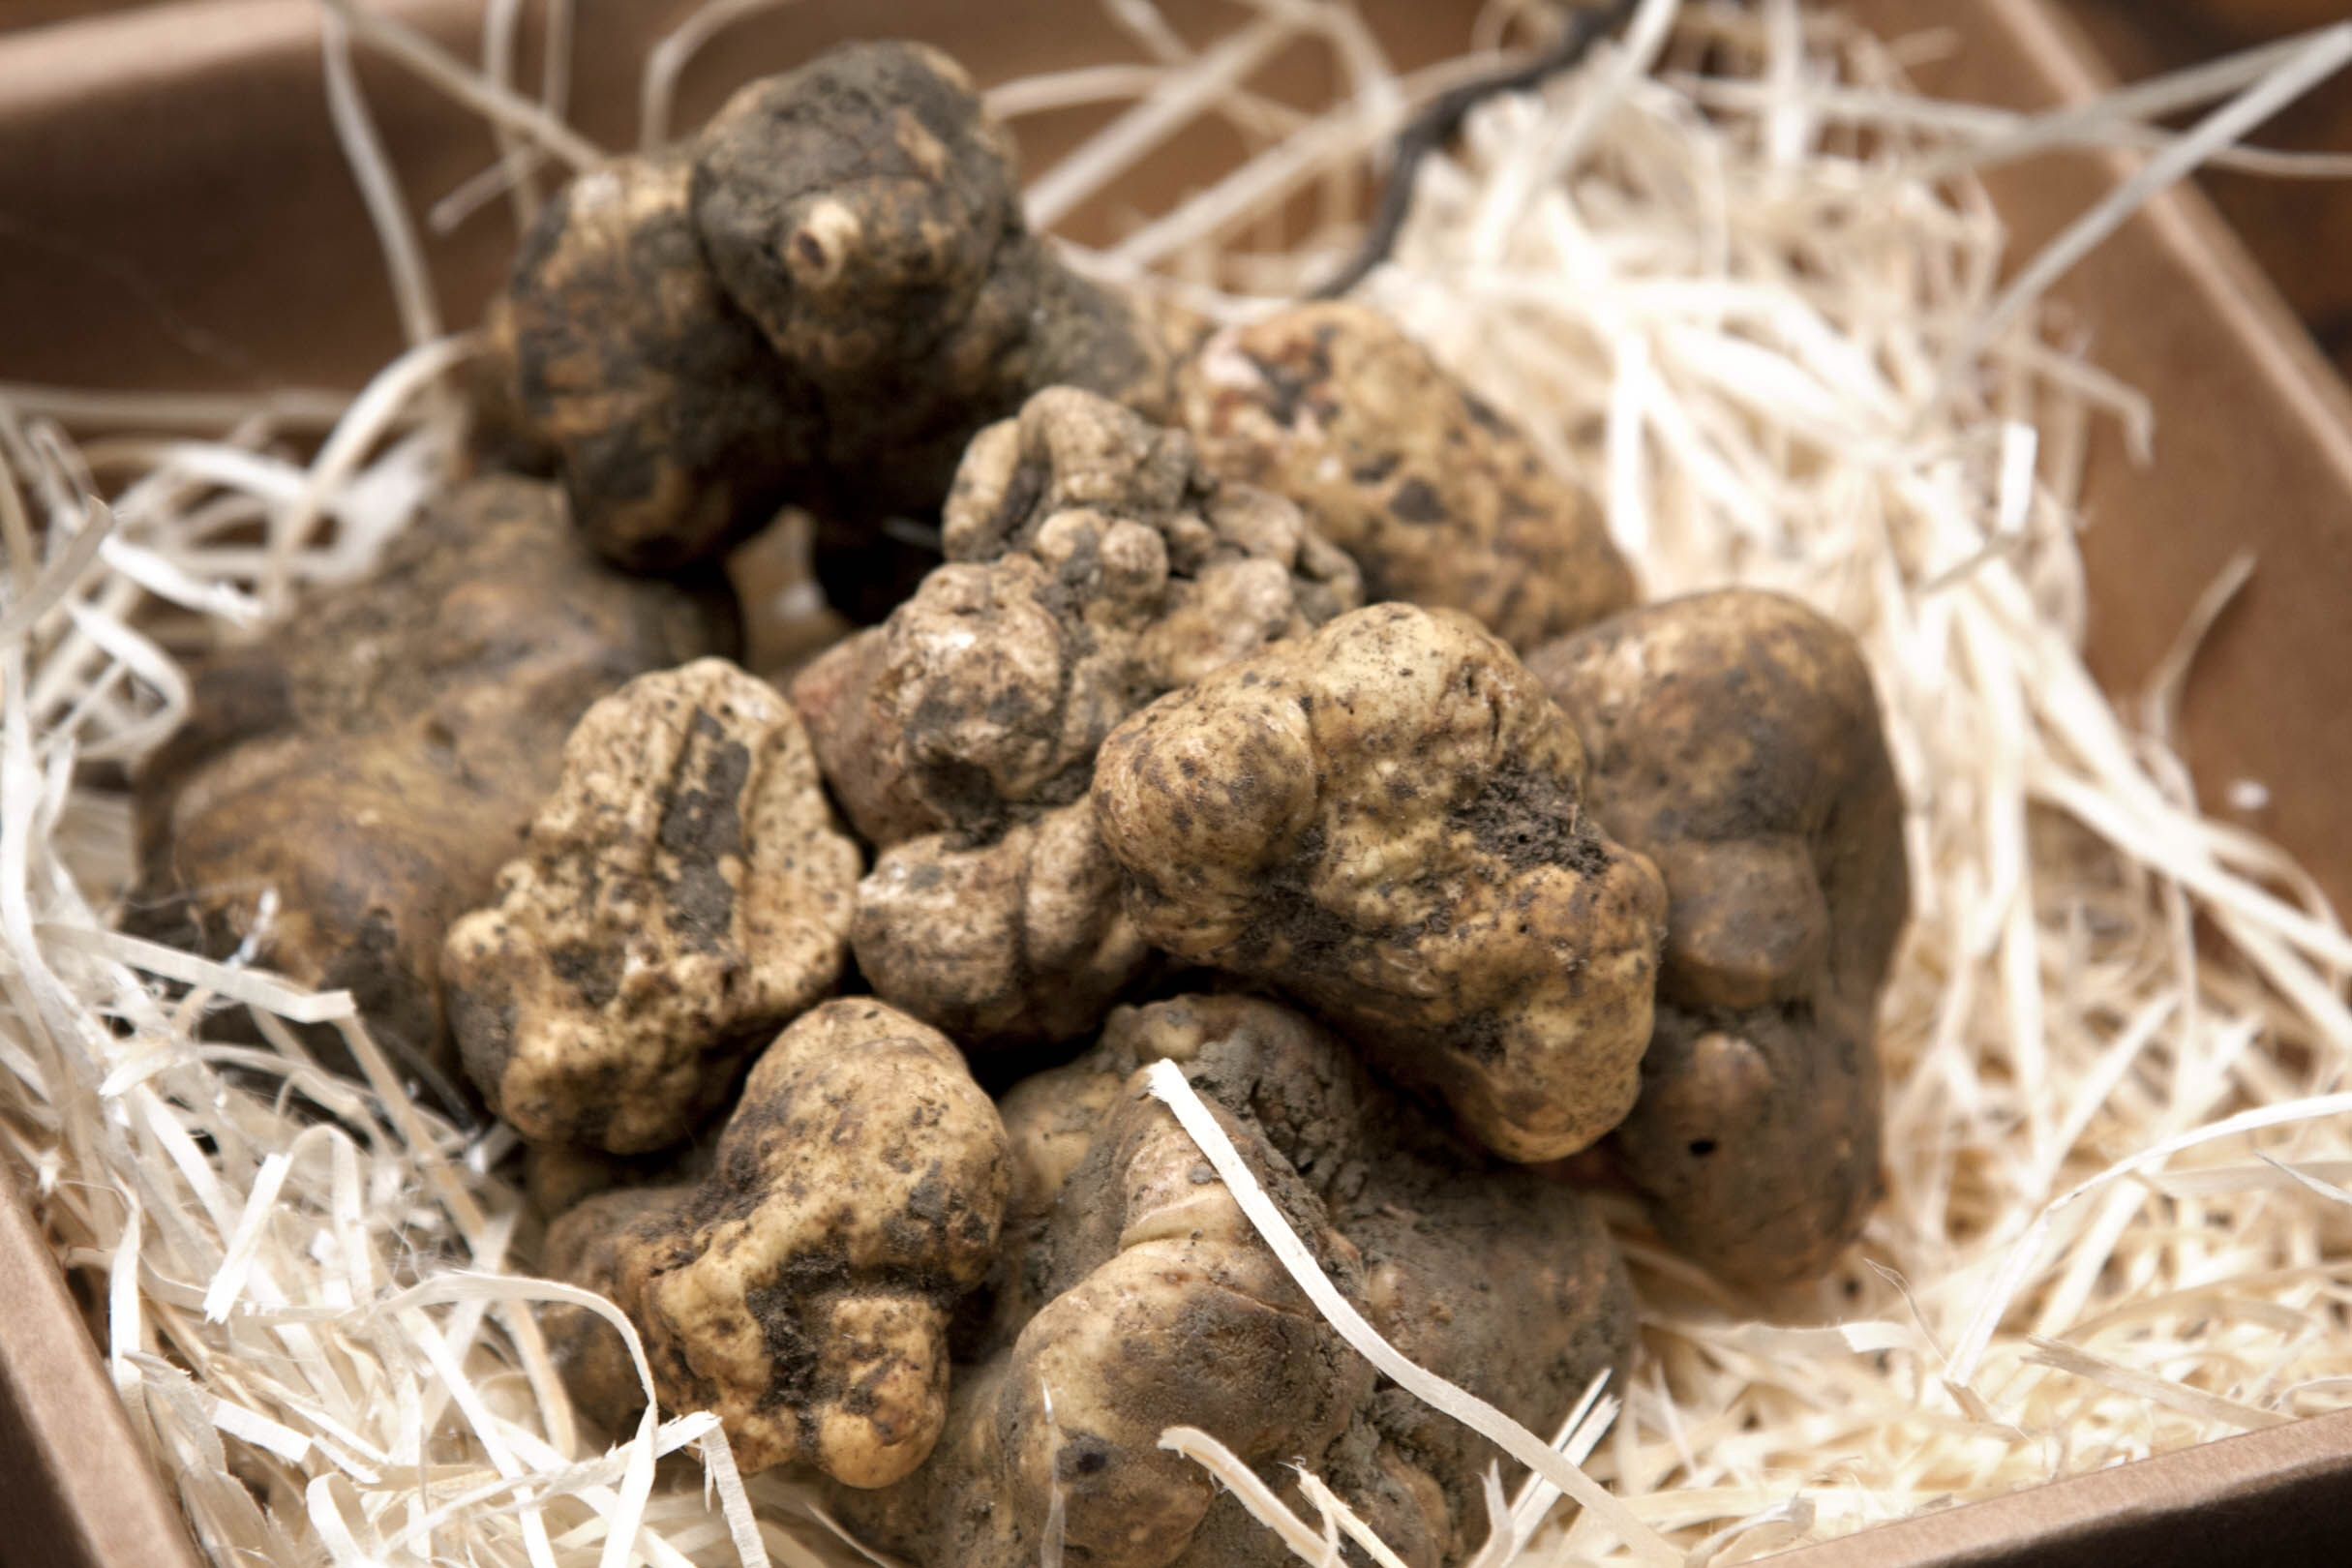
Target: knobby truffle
1092, 566
1134, 1296
1735, 739
1386, 821
802, 1289
1019, 938
374, 759
674, 428
684, 892
865, 211
1440, 499
819, 300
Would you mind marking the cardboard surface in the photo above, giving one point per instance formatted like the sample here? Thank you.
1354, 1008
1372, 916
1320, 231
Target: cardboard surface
2280, 1496
73, 1492
174, 213
2253, 452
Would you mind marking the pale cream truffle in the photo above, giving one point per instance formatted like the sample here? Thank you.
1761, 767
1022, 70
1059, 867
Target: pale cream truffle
684, 892
802, 1289
1386, 821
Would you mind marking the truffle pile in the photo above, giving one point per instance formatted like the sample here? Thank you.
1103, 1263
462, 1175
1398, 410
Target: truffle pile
1269, 708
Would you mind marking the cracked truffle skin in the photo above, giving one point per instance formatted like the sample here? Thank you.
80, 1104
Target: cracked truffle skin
1441, 501
1092, 567
802, 1289
865, 212
1735, 739
374, 758
674, 428
1137, 1294
1385, 821
684, 890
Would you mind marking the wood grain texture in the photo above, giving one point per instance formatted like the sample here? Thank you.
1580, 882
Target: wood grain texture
2278, 1495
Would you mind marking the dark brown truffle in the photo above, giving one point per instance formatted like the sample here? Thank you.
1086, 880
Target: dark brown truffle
1735, 739
819, 302
1134, 1296
373, 760
677, 432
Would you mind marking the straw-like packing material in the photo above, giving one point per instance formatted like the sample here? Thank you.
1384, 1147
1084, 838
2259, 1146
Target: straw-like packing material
1758, 311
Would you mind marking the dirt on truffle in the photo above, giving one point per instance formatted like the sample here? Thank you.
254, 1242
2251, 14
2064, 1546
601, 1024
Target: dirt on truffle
674, 428
1734, 740
1092, 565
1440, 499
684, 892
803, 1287
1386, 821
819, 301
1134, 1297
373, 759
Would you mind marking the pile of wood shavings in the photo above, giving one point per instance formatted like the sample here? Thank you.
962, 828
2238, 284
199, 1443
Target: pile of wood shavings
1760, 312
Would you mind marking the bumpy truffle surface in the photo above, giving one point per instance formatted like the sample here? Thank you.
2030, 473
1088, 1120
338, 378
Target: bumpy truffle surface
1440, 499
865, 212
819, 302
1020, 938
1137, 1297
674, 428
685, 892
1386, 821
802, 1289
374, 759
1092, 566
1735, 739
836, 197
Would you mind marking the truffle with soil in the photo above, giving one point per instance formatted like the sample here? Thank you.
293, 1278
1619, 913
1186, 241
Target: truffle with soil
1443, 917
1132, 1296
1093, 565
349, 784
802, 1289
1387, 821
819, 300
1734, 740
1438, 495
685, 891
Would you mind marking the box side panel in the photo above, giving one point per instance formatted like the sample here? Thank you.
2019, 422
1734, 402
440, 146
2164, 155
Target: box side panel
2253, 453
74, 1492
2280, 1495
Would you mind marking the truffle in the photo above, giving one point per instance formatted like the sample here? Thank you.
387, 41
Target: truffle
1134, 1296
819, 301
1092, 566
1386, 821
1734, 740
1440, 499
676, 430
802, 1289
374, 758
684, 892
